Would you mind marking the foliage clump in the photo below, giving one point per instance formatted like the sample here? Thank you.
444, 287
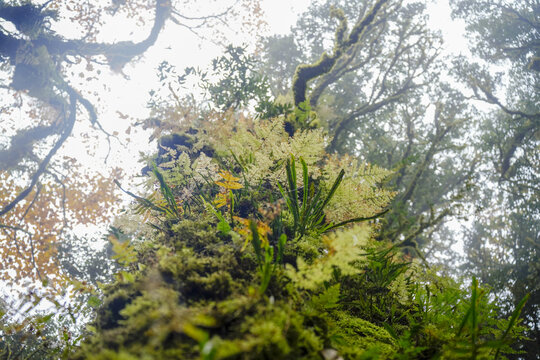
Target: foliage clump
271, 252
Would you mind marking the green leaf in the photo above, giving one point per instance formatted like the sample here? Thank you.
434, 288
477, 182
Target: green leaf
256, 242
172, 208
305, 178
45, 318
281, 247
126, 277
224, 227
93, 301
513, 320
474, 315
267, 269
338, 181
144, 202
328, 299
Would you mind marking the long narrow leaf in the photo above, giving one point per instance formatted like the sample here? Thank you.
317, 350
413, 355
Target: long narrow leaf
256, 242
313, 207
305, 179
291, 177
144, 202
474, 316
338, 181
290, 205
358, 219
246, 183
281, 247
167, 193
513, 320
266, 269
464, 321
223, 225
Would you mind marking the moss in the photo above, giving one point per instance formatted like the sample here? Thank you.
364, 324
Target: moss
198, 277
195, 235
109, 313
361, 336
200, 294
258, 331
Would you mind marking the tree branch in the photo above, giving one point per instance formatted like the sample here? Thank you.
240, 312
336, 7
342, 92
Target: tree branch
306, 72
532, 126
21, 144
67, 128
492, 99
341, 68
118, 54
38, 72
366, 109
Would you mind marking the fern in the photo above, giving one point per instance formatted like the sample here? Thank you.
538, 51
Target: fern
309, 214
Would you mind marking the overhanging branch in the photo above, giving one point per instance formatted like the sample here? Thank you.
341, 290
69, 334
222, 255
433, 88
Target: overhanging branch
67, 128
306, 72
37, 58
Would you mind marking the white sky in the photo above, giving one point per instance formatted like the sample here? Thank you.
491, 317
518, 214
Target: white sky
181, 48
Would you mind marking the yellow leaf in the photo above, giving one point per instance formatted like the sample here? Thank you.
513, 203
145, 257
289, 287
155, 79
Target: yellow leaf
221, 199
262, 229
231, 182
227, 176
229, 185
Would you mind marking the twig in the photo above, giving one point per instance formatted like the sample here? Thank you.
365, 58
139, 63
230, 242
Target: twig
212, 16
92, 114
15, 228
26, 212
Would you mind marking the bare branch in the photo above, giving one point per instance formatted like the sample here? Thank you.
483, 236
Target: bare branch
365, 109
207, 17
22, 142
15, 228
67, 128
532, 126
492, 99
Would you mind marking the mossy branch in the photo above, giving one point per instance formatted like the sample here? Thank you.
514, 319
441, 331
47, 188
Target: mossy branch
306, 72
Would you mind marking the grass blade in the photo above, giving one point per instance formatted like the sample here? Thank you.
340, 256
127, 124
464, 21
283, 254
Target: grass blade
338, 181
513, 321
474, 316
256, 242
167, 193
305, 179
144, 202
358, 219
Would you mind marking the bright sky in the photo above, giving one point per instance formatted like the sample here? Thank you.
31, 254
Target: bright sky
181, 48
129, 95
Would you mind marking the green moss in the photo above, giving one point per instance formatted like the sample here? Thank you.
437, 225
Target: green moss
192, 234
109, 313
197, 291
267, 331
